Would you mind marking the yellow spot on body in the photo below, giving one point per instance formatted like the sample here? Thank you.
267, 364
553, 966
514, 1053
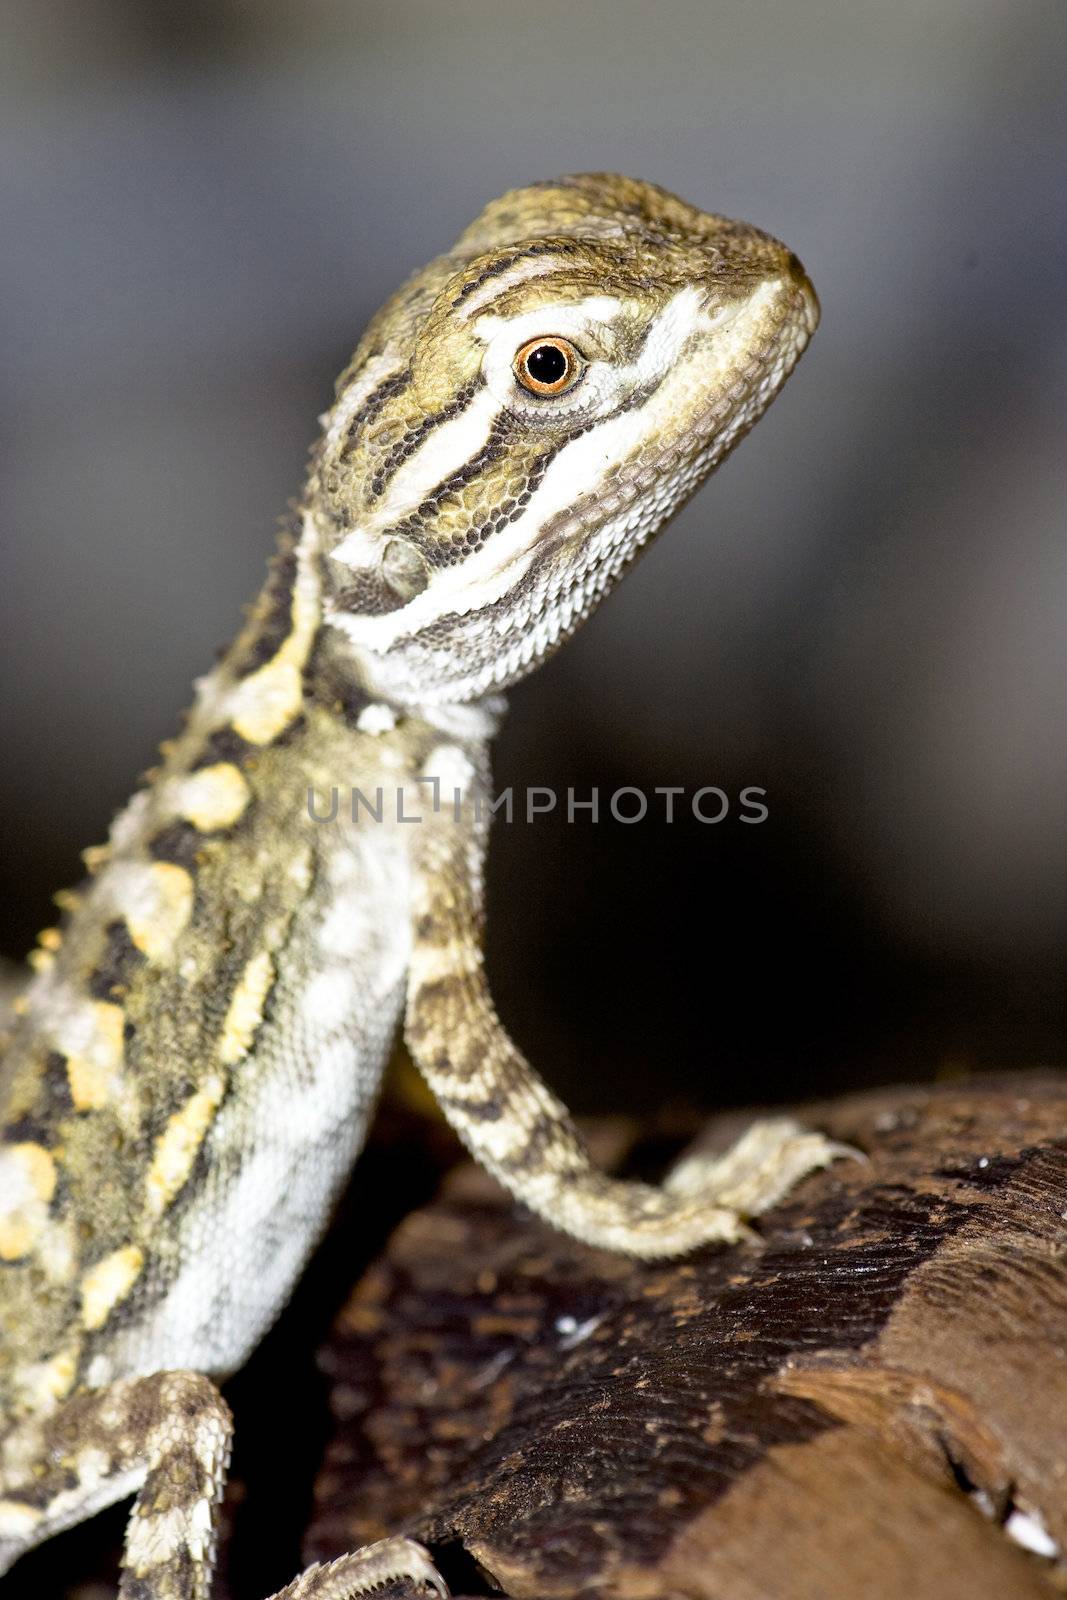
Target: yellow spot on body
96, 856
41, 960
157, 912
246, 1008
214, 797
67, 899
93, 1073
17, 1520
27, 1184
268, 701
47, 1381
177, 1145
265, 703
50, 939
60, 1373
110, 1281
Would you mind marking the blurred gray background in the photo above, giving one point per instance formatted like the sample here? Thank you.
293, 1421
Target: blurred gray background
200, 206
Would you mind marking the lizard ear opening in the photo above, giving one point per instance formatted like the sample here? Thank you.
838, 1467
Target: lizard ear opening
384, 579
404, 569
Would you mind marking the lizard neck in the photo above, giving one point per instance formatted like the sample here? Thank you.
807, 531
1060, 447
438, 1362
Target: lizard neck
289, 658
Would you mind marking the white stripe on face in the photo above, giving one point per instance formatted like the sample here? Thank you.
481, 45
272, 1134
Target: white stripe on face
452, 444
338, 419
521, 272
445, 449
455, 442
489, 572
671, 328
573, 318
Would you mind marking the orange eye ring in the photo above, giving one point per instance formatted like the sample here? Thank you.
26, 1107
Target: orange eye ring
547, 365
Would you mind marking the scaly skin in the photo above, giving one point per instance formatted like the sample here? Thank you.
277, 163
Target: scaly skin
192, 1068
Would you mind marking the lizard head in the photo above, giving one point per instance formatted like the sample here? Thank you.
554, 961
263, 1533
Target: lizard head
527, 411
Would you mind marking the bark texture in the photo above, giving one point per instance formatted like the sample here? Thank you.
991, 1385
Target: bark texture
872, 1403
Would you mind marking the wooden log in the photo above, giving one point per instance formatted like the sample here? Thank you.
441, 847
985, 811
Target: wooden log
871, 1403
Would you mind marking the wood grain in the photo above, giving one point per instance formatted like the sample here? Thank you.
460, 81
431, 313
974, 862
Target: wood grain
872, 1403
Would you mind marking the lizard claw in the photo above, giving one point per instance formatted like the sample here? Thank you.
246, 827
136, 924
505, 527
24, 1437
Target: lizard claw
364, 1571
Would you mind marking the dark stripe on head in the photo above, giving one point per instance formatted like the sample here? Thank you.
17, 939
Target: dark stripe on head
441, 553
503, 264
374, 404
503, 513
414, 527
406, 447
443, 629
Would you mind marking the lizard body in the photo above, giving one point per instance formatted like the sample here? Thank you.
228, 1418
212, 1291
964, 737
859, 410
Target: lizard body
193, 1065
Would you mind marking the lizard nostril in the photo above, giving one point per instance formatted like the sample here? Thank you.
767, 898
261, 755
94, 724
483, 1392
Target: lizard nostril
803, 286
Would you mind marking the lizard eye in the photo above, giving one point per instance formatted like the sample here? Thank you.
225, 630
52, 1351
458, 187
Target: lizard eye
547, 366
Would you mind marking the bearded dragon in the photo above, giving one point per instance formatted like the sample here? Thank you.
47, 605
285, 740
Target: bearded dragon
191, 1070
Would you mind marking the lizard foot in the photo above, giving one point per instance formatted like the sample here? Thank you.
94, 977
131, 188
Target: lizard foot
363, 1571
760, 1169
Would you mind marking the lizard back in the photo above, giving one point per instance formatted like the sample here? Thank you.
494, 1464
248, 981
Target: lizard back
192, 1067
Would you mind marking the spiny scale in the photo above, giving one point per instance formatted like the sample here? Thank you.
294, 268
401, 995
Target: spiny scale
192, 1066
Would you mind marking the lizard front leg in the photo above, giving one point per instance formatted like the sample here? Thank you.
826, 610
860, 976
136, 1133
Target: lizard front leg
512, 1123
166, 1437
